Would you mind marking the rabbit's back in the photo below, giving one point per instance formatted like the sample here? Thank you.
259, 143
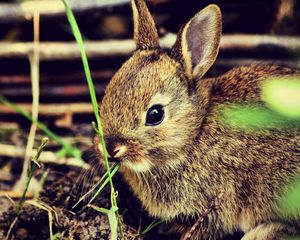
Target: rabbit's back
251, 165
244, 83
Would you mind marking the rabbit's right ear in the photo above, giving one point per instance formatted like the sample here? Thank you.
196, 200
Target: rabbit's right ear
145, 32
197, 43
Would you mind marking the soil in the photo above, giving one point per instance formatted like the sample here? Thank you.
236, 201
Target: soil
63, 186
62, 189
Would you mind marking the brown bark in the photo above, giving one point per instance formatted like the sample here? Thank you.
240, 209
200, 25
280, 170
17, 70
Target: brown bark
94, 49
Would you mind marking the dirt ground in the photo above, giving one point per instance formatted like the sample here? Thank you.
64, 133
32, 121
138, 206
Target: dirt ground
62, 188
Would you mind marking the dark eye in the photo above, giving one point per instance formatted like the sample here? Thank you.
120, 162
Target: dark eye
155, 115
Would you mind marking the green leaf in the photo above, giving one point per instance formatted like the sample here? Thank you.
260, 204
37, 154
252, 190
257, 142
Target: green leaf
252, 116
283, 95
113, 223
294, 238
112, 218
289, 202
57, 236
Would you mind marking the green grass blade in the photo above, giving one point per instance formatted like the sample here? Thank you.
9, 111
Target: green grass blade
98, 209
113, 222
78, 38
75, 152
111, 214
113, 172
79, 41
31, 170
282, 96
152, 225
103, 178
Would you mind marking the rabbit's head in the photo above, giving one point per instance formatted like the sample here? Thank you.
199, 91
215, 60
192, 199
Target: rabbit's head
151, 113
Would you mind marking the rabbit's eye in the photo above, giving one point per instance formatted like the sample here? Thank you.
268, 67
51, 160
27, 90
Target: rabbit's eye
155, 115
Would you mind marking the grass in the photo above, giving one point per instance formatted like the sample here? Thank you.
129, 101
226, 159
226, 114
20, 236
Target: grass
286, 111
152, 225
33, 166
111, 218
34, 59
76, 32
102, 183
50, 211
66, 148
282, 95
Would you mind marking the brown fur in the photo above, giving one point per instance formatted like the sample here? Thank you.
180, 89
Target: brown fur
178, 167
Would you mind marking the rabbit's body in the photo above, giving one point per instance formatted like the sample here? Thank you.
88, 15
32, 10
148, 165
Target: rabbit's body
250, 168
163, 123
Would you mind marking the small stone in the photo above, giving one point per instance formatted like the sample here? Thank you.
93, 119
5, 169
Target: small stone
22, 233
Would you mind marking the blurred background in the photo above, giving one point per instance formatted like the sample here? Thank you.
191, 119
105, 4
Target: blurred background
254, 31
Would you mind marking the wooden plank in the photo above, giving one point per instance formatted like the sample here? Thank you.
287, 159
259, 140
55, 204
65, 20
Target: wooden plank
24, 10
45, 157
235, 62
74, 77
94, 49
52, 109
71, 90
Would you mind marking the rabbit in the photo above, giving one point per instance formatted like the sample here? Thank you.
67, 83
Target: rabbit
161, 123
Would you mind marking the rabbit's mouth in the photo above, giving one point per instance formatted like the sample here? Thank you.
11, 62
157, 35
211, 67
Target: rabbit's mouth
129, 154
114, 159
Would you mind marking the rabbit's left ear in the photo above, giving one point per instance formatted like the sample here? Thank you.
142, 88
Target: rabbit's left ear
197, 43
145, 32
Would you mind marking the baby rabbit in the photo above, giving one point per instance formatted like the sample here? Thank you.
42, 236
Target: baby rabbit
161, 123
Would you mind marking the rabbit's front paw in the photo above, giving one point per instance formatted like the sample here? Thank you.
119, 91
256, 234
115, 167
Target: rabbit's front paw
270, 231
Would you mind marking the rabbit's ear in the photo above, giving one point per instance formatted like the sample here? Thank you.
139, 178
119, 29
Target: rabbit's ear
145, 33
197, 43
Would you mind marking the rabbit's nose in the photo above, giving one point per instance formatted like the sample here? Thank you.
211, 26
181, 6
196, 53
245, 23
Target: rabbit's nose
118, 151
115, 147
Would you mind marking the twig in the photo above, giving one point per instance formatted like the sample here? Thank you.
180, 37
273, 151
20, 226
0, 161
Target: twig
31, 169
66, 147
216, 201
49, 210
10, 199
34, 67
16, 194
24, 11
74, 77
46, 156
11, 227
234, 62
5, 175
52, 109
71, 90
94, 49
